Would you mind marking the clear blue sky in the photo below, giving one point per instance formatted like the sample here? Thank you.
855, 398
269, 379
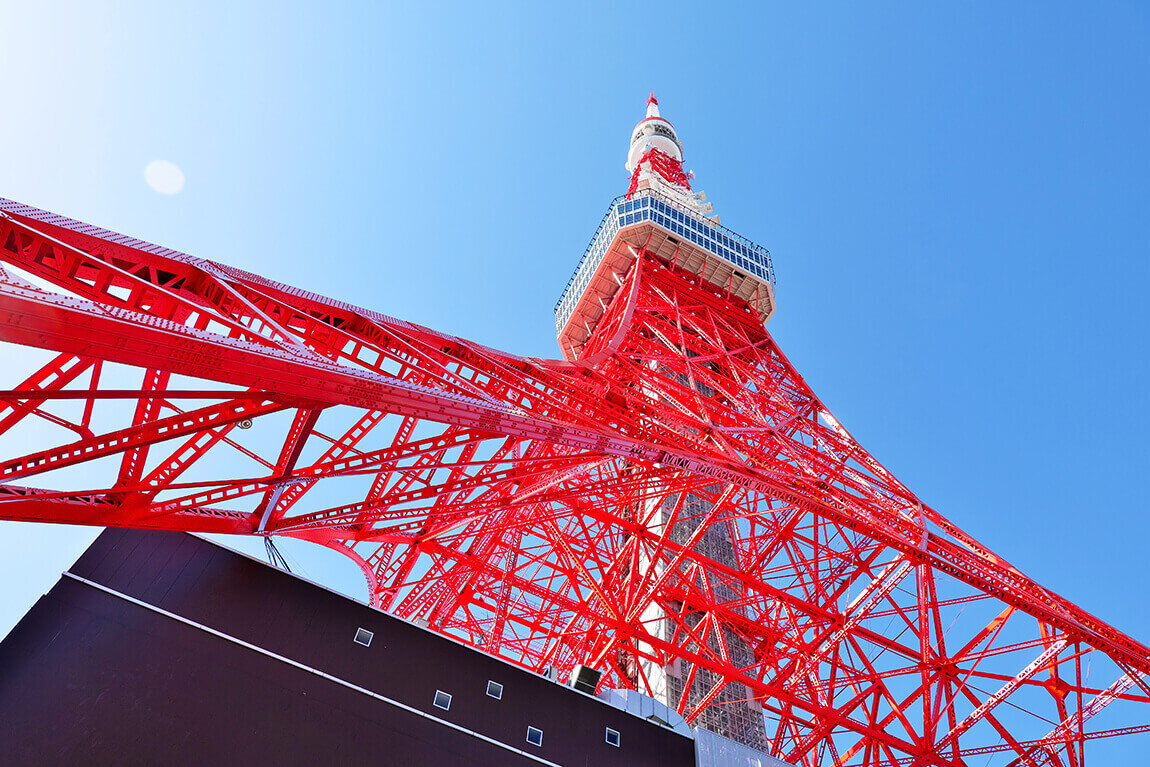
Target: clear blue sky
956, 199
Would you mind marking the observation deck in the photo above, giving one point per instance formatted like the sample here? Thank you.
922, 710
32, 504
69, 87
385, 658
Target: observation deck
674, 233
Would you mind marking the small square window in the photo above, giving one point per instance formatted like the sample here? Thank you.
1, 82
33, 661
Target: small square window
613, 737
535, 736
363, 637
494, 690
442, 700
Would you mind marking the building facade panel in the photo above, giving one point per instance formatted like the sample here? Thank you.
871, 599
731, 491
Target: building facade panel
161, 646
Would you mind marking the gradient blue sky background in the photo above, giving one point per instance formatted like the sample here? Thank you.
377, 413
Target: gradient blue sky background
955, 197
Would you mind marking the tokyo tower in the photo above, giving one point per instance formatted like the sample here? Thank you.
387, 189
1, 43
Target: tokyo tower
668, 504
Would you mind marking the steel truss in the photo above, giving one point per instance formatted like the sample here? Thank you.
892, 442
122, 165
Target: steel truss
536, 508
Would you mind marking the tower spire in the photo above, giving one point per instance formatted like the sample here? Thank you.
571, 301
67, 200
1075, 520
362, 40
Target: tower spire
652, 105
653, 132
655, 160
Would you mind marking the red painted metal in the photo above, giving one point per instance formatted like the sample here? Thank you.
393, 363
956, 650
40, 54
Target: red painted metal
663, 164
538, 509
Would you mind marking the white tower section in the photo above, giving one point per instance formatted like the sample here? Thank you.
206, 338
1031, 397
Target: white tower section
656, 132
653, 132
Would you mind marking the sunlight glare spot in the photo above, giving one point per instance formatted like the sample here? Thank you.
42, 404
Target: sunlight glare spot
164, 177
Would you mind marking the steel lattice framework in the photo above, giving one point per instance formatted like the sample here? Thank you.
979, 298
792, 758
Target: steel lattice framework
542, 510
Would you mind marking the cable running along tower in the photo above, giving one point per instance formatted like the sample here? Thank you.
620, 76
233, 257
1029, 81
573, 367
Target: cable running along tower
669, 503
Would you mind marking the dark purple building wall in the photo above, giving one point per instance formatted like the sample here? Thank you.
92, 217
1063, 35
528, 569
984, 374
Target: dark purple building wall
223, 660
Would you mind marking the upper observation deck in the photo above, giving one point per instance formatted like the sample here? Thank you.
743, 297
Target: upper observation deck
674, 233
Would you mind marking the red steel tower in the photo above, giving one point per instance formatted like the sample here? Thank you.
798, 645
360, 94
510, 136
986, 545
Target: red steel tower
670, 503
